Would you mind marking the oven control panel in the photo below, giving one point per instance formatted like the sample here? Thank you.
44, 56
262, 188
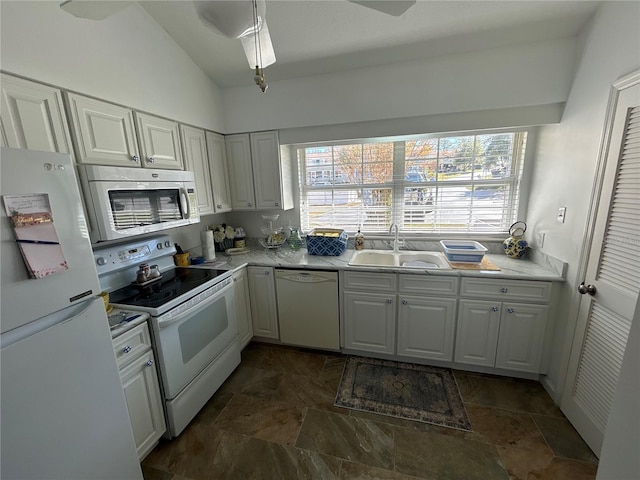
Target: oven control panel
134, 254
117, 257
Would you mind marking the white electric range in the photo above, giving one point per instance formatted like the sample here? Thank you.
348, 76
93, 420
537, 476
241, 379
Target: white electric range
192, 319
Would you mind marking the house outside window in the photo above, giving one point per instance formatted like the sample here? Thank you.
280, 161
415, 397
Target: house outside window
436, 184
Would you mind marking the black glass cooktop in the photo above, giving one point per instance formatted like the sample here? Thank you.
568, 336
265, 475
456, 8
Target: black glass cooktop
173, 284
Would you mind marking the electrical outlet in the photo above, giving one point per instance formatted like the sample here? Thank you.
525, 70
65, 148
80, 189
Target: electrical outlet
562, 212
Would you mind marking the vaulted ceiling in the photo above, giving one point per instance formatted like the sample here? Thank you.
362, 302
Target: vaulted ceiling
312, 37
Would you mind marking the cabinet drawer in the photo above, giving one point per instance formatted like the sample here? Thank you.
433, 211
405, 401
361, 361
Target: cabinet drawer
506, 289
131, 344
378, 282
420, 284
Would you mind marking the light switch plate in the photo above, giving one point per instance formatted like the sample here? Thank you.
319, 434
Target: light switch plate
562, 211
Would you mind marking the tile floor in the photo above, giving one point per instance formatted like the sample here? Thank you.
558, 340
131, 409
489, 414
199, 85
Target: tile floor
274, 418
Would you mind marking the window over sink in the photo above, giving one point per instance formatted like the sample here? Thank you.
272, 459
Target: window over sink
462, 183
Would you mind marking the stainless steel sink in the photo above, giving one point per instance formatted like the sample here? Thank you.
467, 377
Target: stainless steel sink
404, 259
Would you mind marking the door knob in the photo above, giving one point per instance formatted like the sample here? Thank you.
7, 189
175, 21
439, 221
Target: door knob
590, 289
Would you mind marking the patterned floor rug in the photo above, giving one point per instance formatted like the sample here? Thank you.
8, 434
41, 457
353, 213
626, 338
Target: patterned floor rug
414, 392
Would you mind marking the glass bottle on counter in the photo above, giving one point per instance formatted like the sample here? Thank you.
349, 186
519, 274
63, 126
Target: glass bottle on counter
295, 242
359, 240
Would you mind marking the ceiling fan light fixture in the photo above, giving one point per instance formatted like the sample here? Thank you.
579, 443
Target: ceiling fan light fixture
266, 47
260, 80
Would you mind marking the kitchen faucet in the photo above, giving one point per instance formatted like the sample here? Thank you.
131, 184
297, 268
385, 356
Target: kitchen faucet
394, 226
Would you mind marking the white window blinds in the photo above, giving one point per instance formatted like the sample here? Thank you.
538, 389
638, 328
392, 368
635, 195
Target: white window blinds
436, 184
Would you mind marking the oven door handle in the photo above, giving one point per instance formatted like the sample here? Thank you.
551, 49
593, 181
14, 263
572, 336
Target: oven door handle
163, 323
184, 200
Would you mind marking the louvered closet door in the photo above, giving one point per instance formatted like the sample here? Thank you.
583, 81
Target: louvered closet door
613, 268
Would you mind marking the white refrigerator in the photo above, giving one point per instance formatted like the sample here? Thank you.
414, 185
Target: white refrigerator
62, 408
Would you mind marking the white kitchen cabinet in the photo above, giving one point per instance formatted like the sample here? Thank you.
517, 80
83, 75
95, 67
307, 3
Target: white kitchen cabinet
103, 133
521, 337
219, 172
369, 311
501, 334
374, 305
260, 178
243, 307
369, 322
477, 334
141, 387
159, 140
197, 161
240, 172
427, 316
264, 312
426, 327
32, 116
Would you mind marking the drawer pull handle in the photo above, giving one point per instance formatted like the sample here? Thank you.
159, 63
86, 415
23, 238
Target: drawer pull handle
126, 349
504, 289
149, 363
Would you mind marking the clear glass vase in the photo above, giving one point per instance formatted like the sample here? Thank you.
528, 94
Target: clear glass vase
295, 242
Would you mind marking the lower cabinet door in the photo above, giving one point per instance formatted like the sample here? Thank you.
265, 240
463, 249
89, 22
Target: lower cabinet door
426, 327
477, 332
243, 308
142, 393
522, 331
264, 313
369, 322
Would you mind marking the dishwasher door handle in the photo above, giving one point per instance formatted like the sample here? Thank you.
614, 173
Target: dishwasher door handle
304, 278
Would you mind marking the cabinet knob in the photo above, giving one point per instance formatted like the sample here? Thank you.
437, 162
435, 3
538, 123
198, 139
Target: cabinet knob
149, 363
494, 309
151, 160
404, 302
389, 300
266, 273
135, 158
218, 206
510, 310
504, 289
126, 349
277, 204
249, 204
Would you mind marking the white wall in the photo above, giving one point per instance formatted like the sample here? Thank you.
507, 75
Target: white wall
567, 154
126, 58
522, 75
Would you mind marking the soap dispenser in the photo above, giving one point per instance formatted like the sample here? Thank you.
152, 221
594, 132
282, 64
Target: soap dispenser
359, 240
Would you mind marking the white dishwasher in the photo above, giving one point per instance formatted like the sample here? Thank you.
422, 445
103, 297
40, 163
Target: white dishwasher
308, 308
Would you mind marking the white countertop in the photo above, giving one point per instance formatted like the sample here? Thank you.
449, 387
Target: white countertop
119, 328
542, 268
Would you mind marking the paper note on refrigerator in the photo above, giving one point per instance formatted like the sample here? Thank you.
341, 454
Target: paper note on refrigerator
35, 233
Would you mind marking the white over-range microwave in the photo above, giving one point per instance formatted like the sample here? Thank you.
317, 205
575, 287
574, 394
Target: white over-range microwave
122, 202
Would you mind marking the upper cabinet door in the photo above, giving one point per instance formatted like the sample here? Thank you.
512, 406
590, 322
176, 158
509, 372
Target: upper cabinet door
103, 133
159, 142
219, 172
265, 151
32, 116
240, 172
196, 160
